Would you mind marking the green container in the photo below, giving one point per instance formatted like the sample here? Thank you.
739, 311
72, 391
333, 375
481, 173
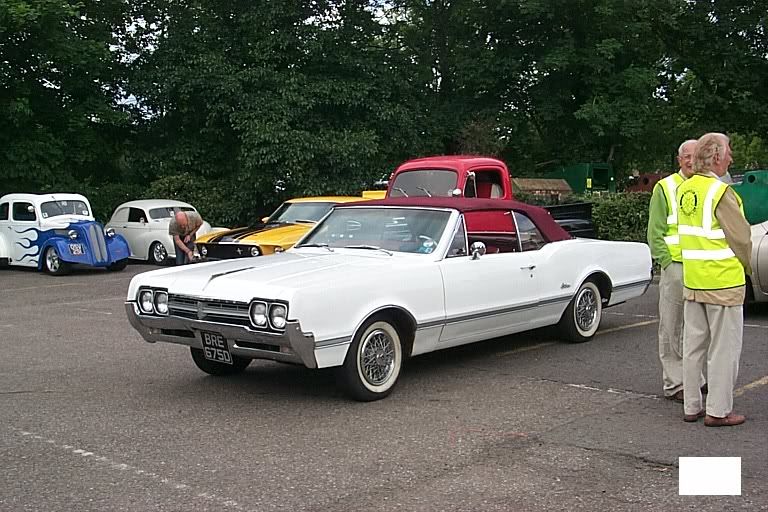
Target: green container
587, 177
753, 190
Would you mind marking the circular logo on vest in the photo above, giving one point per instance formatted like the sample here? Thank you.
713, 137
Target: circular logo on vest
688, 202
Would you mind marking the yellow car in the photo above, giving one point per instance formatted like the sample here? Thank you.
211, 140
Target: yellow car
279, 231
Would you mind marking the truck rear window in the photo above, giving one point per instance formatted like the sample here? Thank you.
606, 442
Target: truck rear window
424, 183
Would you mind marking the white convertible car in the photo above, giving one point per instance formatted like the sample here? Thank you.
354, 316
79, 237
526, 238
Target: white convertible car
374, 283
144, 224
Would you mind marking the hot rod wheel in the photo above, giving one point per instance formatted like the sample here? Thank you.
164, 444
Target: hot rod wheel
52, 264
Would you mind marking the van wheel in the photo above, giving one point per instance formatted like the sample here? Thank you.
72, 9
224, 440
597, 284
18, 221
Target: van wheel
157, 253
582, 316
53, 264
373, 361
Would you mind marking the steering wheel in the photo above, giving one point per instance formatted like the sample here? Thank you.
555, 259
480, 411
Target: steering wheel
428, 244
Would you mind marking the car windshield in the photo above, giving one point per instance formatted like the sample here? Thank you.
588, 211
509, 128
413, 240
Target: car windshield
300, 212
424, 183
166, 212
55, 208
411, 230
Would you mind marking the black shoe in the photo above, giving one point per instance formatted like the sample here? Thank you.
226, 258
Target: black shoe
677, 397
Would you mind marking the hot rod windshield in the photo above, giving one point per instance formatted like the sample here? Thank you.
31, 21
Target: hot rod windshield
424, 183
412, 230
55, 208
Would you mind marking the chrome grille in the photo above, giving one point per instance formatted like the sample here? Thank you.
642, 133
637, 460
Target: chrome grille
210, 310
97, 243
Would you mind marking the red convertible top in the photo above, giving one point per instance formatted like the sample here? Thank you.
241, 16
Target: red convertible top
541, 217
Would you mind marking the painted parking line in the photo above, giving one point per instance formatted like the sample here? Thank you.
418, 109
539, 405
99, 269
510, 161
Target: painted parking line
628, 326
59, 285
548, 343
93, 311
526, 349
751, 385
634, 315
41, 287
756, 326
113, 465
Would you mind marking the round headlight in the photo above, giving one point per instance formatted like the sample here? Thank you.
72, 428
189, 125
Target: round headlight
259, 314
203, 250
255, 251
72, 234
145, 301
110, 232
277, 315
161, 302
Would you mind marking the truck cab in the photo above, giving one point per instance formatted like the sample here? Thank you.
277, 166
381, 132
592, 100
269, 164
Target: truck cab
451, 176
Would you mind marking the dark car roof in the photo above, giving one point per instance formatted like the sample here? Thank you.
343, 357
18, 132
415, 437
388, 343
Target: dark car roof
541, 217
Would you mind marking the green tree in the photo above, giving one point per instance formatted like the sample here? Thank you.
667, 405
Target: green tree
60, 122
275, 98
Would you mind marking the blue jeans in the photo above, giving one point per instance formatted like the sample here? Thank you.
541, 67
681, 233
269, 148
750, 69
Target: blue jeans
181, 256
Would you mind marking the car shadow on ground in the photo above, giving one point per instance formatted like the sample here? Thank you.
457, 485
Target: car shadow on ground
288, 382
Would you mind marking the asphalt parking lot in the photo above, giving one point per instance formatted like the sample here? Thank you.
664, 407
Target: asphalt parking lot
94, 418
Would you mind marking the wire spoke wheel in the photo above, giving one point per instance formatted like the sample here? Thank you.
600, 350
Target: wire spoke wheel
377, 357
374, 360
581, 318
586, 309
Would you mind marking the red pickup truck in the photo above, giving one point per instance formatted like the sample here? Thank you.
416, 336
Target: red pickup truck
447, 176
476, 176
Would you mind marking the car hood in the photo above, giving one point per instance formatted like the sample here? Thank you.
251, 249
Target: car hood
270, 234
64, 221
275, 276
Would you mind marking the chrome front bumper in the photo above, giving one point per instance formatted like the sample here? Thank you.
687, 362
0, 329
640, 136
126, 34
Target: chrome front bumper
291, 346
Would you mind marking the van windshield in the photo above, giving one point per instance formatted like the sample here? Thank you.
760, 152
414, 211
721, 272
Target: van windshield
424, 183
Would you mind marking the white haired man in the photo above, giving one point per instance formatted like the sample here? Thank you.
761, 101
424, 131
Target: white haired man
665, 250
715, 246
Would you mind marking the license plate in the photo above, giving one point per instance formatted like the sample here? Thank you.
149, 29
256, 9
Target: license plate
215, 347
76, 249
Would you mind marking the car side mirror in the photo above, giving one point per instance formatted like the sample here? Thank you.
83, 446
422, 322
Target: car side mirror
143, 220
477, 249
456, 192
264, 220
30, 208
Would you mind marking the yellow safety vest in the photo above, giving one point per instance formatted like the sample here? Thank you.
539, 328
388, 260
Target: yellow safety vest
669, 186
708, 261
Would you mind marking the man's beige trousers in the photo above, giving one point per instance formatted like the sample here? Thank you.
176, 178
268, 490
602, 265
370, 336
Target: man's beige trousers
671, 327
712, 336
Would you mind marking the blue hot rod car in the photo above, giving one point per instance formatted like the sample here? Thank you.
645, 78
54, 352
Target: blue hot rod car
54, 231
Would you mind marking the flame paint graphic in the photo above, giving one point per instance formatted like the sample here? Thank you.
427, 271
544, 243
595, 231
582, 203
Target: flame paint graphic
31, 243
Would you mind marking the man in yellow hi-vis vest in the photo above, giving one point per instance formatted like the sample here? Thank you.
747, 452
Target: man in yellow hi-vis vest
665, 250
715, 246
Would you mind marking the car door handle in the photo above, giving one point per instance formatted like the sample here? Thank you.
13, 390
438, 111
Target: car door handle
529, 267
